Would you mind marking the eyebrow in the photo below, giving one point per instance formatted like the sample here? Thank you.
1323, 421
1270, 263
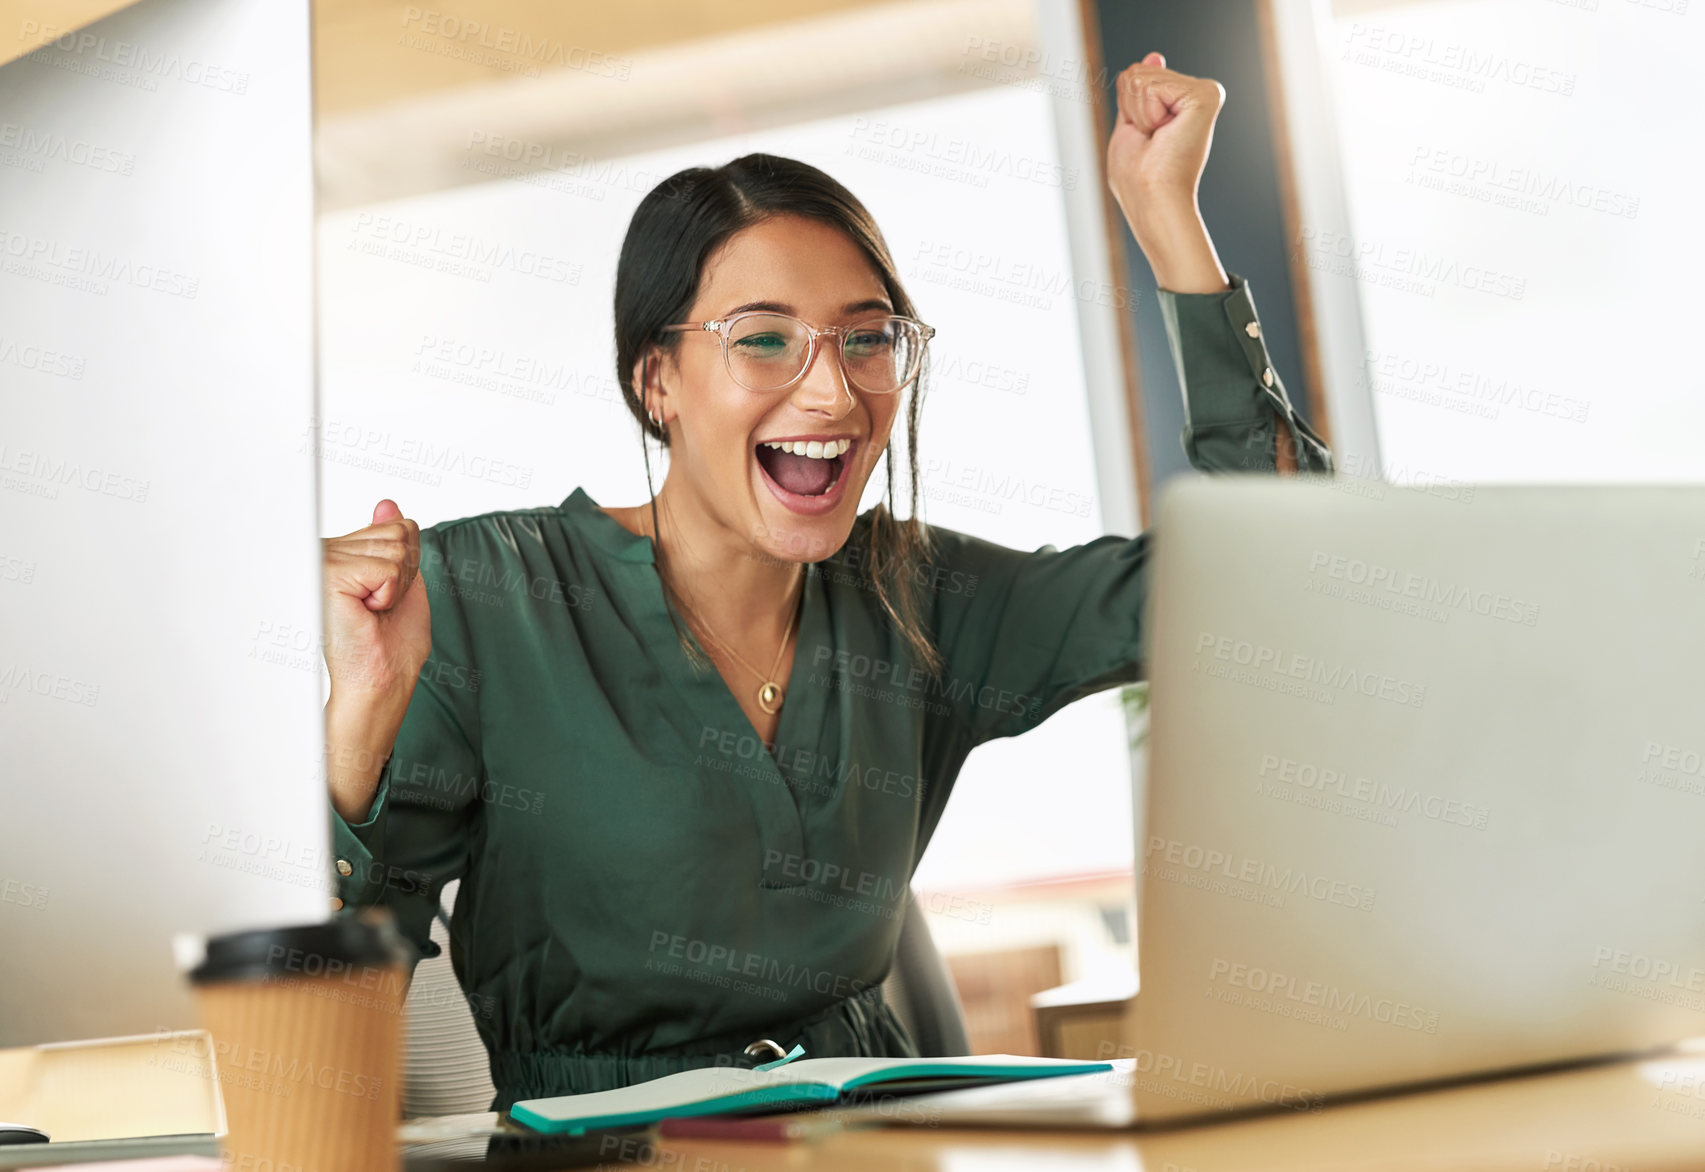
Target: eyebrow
783, 307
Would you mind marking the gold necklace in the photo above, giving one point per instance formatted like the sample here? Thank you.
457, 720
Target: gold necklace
770, 695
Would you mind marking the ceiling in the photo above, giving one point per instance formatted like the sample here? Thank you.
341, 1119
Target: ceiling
372, 53
400, 88
30, 24
412, 120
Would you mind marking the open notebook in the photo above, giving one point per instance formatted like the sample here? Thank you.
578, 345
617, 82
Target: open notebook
809, 1082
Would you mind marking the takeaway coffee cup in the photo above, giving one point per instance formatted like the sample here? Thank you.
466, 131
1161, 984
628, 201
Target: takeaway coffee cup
307, 1028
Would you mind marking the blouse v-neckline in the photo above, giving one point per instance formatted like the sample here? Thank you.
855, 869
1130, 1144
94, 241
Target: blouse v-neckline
802, 704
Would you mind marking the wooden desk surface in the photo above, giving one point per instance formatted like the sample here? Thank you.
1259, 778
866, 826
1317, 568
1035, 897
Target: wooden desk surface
1640, 1116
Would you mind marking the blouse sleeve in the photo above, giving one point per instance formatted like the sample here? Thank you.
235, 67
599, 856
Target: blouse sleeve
1024, 634
1232, 395
414, 838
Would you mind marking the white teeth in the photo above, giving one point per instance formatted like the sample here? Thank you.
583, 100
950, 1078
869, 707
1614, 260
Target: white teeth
814, 449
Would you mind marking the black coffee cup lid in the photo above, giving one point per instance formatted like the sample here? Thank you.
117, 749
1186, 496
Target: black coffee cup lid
333, 948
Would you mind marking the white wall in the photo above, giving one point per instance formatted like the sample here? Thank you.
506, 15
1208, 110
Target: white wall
159, 773
456, 388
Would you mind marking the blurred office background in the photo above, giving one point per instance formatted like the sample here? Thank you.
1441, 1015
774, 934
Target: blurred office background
1468, 225
1453, 231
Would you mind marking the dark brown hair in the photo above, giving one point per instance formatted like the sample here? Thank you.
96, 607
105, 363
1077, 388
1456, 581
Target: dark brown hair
678, 226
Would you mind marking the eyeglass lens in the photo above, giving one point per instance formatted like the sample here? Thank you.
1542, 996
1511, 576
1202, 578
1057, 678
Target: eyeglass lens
766, 351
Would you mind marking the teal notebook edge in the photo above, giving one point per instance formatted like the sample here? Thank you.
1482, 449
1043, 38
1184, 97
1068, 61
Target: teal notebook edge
973, 1070
787, 1095
796, 1094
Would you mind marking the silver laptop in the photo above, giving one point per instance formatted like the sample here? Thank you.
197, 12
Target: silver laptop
1426, 793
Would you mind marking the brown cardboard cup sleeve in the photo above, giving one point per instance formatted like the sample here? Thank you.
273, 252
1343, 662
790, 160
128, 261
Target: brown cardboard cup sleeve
307, 1028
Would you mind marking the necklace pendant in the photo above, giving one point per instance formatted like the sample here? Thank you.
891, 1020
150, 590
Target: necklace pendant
769, 698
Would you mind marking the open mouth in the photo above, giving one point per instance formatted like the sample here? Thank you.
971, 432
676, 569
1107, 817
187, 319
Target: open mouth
805, 469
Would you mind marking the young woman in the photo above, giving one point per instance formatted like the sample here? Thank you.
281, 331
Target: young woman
685, 755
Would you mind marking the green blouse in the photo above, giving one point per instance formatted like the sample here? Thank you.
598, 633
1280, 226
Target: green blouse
646, 887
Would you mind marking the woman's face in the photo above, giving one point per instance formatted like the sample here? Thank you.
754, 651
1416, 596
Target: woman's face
791, 506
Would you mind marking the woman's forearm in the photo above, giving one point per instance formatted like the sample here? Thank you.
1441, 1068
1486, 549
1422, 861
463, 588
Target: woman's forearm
359, 739
1175, 240
1162, 132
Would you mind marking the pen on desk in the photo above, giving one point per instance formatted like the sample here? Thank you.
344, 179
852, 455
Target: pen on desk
761, 1128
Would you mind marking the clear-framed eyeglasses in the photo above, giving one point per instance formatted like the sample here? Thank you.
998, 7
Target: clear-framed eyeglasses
767, 351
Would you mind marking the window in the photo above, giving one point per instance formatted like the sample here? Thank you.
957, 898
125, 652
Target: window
1519, 235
